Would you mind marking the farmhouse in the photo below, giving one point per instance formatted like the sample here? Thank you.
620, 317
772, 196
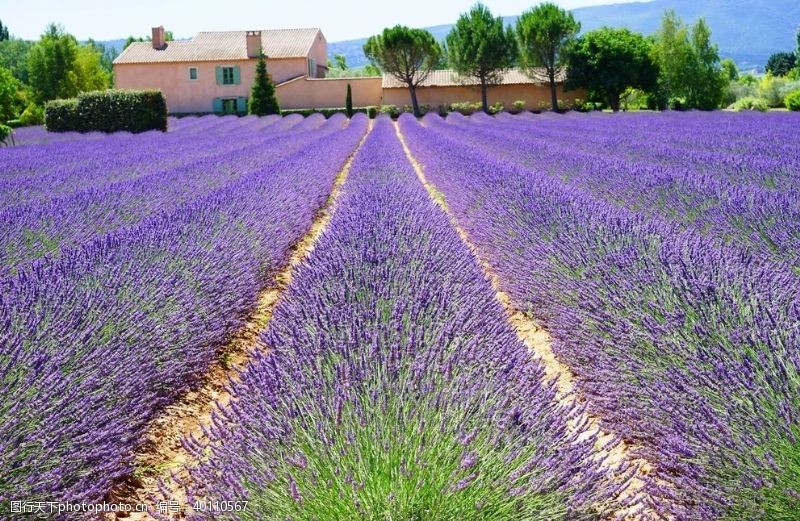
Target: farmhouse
213, 72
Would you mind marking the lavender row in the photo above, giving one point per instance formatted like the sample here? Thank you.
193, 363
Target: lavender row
95, 342
35, 229
395, 386
37, 173
682, 344
700, 196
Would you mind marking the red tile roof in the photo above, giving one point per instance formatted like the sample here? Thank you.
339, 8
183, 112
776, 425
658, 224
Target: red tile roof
223, 45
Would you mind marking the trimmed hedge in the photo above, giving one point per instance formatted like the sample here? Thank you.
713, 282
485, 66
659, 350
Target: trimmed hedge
108, 111
328, 112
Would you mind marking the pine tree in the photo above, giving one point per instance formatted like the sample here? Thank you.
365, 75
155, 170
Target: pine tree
262, 95
348, 102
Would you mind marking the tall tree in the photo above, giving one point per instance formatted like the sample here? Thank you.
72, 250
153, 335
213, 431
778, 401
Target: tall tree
480, 47
689, 62
60, 68
709, 83
729, 69
780, 63
12, 101
341, 61
14, 57
348, 102
4, 32
409, 55
51, 65
608, 61
543, 34
262, 95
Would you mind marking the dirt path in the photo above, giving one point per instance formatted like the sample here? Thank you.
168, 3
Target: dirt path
616, 454
163, 455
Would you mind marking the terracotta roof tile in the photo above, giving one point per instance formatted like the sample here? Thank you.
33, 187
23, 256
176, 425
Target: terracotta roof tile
223, 45
450, 78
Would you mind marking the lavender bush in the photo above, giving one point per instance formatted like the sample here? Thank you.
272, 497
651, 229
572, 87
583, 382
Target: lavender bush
680, 342
96, 341
395, 388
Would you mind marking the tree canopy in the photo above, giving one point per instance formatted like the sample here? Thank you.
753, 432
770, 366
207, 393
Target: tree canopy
781, 63
12, 101
4, 35
543, 34
609, 61
60, 68
408, 55
262, 95
690, 75
480, 46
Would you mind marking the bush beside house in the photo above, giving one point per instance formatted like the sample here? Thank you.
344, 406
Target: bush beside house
108, 111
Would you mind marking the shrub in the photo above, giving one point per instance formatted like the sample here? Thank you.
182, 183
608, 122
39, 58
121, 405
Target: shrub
372, 112
466, 107
792, 101
496, 107
391, 110
32, 115
348, 102
5, 133
750, 103
14, 123
109, 111
519, 106
770, 89
61, 115
328, 112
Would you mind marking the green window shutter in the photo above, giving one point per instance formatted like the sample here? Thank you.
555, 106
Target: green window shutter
217, 102
237, 76
219, 75
241, 104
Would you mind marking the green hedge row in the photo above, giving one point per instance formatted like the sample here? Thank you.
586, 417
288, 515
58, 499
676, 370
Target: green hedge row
328, 112
108, 111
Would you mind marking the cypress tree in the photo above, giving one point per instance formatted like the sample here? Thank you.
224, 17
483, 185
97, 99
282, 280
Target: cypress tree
262, 95
348, 102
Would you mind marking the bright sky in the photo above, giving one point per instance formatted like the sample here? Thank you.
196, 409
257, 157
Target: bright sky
338, 19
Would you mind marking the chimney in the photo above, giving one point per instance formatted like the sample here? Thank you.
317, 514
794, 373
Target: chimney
158, 38
253, 44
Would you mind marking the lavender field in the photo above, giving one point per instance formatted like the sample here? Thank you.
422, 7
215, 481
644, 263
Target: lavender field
580, 316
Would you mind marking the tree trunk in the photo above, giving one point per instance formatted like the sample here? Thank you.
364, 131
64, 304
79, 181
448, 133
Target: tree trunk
414, 104
553, 93
484, 101
613, 102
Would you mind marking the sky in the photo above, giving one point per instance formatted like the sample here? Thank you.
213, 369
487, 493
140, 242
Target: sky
338, 19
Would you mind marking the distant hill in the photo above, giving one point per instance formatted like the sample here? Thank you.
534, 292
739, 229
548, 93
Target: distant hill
746, 30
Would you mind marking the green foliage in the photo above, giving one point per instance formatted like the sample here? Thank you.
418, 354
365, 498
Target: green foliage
480, 47
108, 111
341, 61
32, 115
12, 100
59, 68
757, 104
14, 57
406, 54
466, 107
496, 107
348, 102
608, 61
5, 133
780, 63
3, 32
328, 112
792, 101
729, 69
168, 37
519, 106
691, 74
774, 89
543, 34
262, 95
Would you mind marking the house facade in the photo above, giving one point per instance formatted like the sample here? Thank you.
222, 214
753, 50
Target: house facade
214, 71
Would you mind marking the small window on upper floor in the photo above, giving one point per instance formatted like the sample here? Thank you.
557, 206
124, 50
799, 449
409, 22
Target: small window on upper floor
192, 73
227, 76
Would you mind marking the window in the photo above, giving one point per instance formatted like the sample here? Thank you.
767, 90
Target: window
192, 73
312, 68
229, 106
227, 76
